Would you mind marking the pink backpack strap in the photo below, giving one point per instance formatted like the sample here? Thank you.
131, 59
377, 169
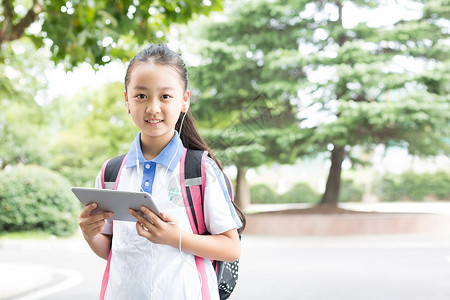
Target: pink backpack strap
103, 173
110, 175
192, 182
105, 277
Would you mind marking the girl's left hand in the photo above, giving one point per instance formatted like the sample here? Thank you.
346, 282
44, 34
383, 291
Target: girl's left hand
156, 230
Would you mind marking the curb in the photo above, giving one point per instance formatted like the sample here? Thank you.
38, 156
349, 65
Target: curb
346, 224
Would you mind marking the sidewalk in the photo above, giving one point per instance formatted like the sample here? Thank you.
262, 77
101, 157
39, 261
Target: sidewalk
388, 207
17, 277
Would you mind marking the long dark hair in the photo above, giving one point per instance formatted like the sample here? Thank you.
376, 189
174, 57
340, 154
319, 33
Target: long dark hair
161, 54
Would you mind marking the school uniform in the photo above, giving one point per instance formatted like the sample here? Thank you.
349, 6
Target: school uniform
139, 269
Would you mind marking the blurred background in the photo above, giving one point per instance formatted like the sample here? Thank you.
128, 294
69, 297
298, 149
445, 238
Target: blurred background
307, 103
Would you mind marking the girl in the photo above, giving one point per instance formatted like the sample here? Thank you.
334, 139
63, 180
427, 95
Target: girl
144, 258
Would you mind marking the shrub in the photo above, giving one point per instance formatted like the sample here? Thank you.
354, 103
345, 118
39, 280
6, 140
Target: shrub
412, 186
261, 193
33, 198
301, 192
350, 192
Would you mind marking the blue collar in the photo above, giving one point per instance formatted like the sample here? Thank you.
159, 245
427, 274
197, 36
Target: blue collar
170, 154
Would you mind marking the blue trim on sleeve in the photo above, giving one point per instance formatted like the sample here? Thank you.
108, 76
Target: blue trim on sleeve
223, 185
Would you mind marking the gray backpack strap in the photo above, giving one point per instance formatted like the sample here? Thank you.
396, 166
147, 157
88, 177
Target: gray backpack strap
111, 170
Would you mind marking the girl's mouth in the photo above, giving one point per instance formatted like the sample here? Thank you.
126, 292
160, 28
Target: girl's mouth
153, 121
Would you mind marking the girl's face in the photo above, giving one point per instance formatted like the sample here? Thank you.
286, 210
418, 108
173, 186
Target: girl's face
156, 97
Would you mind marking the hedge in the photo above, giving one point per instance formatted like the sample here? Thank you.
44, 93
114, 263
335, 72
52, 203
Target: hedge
302, 192
413, 186
299, 193
262, 193
350, 192
33, 198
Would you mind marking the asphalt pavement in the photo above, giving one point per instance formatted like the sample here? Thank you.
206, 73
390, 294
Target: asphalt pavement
408, 266
353, 267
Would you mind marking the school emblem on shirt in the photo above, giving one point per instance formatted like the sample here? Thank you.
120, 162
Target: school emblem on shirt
174, 192
175, 196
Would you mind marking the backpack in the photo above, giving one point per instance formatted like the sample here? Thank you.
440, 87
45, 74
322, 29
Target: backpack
192, 181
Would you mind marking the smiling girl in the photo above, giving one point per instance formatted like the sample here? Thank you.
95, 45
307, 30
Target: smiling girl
144, 258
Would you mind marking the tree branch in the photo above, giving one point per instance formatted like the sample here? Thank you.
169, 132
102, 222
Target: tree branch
11, 32
7, 22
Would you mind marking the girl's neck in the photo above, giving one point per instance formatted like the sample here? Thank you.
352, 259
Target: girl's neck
151, 147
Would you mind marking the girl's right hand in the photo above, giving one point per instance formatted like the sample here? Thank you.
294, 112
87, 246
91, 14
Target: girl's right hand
92, 225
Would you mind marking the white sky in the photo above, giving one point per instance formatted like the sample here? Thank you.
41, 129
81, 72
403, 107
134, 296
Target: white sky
68, 84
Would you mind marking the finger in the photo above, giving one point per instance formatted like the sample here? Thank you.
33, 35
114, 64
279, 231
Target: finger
150, 215
92, 229
140, 218
86, 212
142, 230
96, 225
91, 222
168, 218
96, 218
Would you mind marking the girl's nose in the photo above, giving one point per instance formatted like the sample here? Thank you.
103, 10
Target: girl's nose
153, 107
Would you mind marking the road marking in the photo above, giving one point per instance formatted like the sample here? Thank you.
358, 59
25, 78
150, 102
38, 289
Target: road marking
73, 279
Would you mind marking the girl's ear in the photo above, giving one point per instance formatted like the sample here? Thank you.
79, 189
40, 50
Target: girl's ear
126, 101
186, 102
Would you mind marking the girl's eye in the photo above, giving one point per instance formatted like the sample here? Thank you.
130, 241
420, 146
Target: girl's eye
166, 97
141, 96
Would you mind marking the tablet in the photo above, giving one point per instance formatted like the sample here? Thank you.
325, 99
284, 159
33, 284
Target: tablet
117, 202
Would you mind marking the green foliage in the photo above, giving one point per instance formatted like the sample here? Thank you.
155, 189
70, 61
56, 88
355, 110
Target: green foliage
262, 193
412, 186
244, 116
93, 128
338, 86
350, 192
95, 31
21, 69
33, 198
23, 123
301, 192
22, 138
420, 119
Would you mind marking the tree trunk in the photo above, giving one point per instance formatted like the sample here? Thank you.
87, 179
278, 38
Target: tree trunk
242, 195
331, 195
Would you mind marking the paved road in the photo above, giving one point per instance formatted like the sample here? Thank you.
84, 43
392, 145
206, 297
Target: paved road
348, 268
409, 267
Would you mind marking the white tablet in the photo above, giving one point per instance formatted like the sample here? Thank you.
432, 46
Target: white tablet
117, 202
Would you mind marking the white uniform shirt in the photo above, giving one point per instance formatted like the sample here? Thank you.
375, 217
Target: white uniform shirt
140, 269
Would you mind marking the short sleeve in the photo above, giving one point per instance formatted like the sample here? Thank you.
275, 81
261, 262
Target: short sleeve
219, 212
108, 226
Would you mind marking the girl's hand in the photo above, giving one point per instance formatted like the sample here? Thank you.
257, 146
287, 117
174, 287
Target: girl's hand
92, 225
156, 230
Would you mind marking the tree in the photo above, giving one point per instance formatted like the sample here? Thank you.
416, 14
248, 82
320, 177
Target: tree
353, 85
371, 93
94, 31
69, 32
92, 127
23, 122
250, 119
